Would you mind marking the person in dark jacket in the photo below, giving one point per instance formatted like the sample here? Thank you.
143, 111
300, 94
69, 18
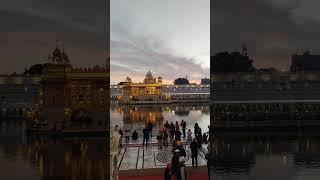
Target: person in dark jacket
175, 163
178, 146
134, 135
145, 136
183, 125
178, 135
150, 126
194, 152
182, 171
167, 172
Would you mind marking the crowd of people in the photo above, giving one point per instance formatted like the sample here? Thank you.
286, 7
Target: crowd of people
172, 133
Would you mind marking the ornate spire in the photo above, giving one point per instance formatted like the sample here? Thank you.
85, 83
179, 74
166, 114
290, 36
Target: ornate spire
57, 46
49, 56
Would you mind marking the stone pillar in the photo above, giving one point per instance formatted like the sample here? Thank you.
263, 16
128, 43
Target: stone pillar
114, 144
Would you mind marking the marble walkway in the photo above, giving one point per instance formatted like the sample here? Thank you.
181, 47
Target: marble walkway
134, 156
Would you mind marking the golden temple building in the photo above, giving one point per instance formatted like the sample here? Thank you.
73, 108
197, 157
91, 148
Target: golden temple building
74, 98
150, 90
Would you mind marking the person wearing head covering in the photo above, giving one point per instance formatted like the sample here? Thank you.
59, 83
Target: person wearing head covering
182, 172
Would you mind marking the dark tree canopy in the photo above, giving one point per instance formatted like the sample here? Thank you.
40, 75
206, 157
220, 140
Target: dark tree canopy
205, 81
231, 62
35, 69
181, 81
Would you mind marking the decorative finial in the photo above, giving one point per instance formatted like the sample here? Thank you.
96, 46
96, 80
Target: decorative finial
244, 49
57, 44
49, 56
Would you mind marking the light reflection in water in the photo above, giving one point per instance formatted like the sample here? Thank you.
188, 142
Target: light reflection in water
137, 116
274, 156
44, 157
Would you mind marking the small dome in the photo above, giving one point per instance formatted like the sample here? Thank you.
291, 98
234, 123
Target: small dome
56, 52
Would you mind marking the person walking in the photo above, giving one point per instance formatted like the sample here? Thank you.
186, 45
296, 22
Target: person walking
127, 134
183, 125
160, 138
194, 152
172, 131
145, 136
177, 126
121, 136
178, 135
134, 136
150, 126
189, 137
165, 138
166, 125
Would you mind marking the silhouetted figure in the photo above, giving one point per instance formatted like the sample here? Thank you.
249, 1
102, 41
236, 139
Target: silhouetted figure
205, 138
175, 163
120, 139
172, 131
145, 136
182, 171
178, 135
134, 135
167, 125
167, 172
177, 126
189, 136
150, 126
196, 129
160, 140
165, 138
194, 152
127, 134
183, 125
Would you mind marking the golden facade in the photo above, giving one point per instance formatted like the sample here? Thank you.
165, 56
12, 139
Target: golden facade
74, 96
149, 90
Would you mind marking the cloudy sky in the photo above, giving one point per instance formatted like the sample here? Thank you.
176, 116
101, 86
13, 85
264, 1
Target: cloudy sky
272, 29
29, 28
171, 37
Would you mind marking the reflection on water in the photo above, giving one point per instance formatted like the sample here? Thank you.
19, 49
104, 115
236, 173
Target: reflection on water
276, 156
40, 157
138, 115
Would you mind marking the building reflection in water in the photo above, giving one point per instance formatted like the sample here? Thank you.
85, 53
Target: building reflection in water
143, 114
137, 116
72, 159
284, 155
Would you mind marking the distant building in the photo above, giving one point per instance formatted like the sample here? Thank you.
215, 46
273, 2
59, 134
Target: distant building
205, 81
305, 62
181, 81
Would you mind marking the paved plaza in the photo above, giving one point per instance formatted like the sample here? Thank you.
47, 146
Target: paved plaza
133, 156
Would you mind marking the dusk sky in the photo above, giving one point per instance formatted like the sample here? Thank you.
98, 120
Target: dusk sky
272, 29
171, 37
29, 28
